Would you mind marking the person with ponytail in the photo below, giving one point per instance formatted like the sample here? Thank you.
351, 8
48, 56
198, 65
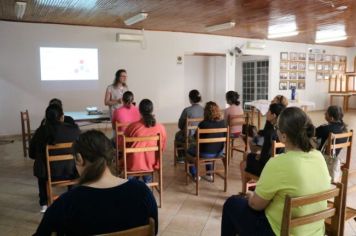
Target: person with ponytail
102, 203
334, 116
234, 109
114, 92
52, 131
147, 126
128, 112
300, 171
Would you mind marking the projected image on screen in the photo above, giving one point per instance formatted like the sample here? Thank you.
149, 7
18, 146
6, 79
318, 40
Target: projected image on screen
69, 63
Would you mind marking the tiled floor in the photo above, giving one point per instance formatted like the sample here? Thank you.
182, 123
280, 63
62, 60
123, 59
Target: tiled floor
182, 213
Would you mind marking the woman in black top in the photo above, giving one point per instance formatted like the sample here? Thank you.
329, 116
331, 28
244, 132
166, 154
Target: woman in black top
212, 119
333, 116
52, 131
102, 203
255, 162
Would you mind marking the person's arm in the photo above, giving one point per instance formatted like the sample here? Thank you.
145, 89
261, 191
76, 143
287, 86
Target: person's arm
256, 202
108, 99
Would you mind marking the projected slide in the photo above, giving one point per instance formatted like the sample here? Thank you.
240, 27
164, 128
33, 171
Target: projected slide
69, 63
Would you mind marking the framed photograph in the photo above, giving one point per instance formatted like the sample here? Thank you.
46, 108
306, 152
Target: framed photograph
319, 57
301, 66
311, 66
284, 56
292, 84
336, 67
283, 75
319, 76
336, 58
319, 66
326, 76
284, 66
283, 85
293, 75
327, 58
301, 85
311, 57
294, 56
301, 76
293, 66
327, 67
302, 56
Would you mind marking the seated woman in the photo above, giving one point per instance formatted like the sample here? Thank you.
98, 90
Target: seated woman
234, 109
193, 111
211, 120
333, 116
102, 203
254, 162
300, 171
127, 113
147, 126
53, 131
67, 119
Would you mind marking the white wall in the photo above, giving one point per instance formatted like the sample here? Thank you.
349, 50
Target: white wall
153, 72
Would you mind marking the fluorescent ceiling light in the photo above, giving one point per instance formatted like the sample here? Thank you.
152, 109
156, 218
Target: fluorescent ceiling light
255, 45
333, 39
282, 35
20, 8
137, 18
70, 4
227, 25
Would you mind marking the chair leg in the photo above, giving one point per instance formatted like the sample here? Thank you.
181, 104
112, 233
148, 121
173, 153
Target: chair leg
225, 174
186, 172
197, 179
175, 154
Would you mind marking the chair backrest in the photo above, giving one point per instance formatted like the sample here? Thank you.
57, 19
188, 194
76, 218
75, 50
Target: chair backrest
127, 149
119, 133
26, 130
145, 230
338, 141
275, 146
225, 139
238, 120
289, 221
191, 124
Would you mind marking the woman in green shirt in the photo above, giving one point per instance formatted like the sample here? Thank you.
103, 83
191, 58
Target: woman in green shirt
300, 171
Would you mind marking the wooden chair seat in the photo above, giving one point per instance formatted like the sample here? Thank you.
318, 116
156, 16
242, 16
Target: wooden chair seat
145, 230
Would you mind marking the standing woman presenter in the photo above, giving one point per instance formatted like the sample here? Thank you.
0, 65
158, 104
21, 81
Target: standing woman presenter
114, 92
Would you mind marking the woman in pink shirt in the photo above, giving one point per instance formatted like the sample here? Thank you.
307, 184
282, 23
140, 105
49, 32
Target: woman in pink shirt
147, 126
232, 98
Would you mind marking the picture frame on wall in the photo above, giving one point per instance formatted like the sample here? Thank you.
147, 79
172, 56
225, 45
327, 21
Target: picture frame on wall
319, 76
293, 66
319, 57
326, 67
294, 56
326, 76
319, 66
336, 67
336, 58
292, 84
301, 76
311, 57
284, 65
302, 56
311, 66
301, 85
283, 75
283, 85
327, 58
293, 75
301, 66
284, 56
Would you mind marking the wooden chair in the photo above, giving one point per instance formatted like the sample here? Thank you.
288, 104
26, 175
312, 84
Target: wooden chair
238, 120
26, 131
118, 141
289, 221
197, 160
252, 179
157, 148
53, 158
337, 141
191, 124
145, 230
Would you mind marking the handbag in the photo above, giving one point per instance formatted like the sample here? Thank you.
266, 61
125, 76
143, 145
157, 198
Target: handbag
333, 162
249, 130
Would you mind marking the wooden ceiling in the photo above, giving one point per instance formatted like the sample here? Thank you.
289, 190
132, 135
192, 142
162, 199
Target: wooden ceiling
252, 17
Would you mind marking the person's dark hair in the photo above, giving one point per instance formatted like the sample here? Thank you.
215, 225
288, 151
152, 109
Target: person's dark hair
276, 108
117, 77
194, 96
128, 97
55, 101
335, 112
298, 127
146, 109
212, 111
97, 153
232, 97
54, 112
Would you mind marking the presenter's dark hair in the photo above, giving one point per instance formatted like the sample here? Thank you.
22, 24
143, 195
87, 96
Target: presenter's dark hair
194, 96
232, 97
146, 109
298, 128
117, 77
97, 153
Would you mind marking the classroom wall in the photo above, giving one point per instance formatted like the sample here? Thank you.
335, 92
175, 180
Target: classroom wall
153, 71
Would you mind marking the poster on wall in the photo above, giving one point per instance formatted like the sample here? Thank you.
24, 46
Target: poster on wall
283, 85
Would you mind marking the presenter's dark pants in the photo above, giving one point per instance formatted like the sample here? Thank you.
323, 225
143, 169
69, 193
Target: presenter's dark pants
239, 219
